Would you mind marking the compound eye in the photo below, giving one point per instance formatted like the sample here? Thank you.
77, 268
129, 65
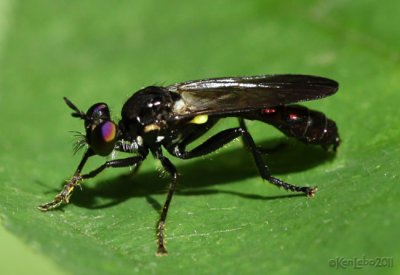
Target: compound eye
96, 114
103, 137
99, 110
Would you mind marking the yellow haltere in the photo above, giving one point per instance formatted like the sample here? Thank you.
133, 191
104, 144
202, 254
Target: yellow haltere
200, 119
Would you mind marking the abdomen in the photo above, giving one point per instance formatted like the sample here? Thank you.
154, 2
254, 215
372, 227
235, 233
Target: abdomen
296, 121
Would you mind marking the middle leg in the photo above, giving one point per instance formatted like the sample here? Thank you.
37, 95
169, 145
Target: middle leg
170, 168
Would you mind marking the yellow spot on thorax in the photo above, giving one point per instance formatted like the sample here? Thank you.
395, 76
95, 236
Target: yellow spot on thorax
200, 119
151, 127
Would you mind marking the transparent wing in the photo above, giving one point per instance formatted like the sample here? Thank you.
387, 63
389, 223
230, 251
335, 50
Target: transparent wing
231, 95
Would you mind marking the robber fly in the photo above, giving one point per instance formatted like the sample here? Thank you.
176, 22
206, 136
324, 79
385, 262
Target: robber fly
174, 116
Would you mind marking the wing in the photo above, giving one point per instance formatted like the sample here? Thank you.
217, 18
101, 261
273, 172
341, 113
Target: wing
231, 95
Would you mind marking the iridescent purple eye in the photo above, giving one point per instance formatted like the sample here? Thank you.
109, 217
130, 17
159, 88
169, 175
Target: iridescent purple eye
103, 137
108, 131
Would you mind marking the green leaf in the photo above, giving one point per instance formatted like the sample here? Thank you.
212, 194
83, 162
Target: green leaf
224, 219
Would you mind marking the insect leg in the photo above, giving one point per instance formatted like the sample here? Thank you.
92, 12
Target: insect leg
170, 168
68, 188
222, 138
263, 168
262, 150
117, 163
66, 192
212, 144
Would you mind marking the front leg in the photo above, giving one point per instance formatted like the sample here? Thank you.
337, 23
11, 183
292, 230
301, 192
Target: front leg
66, 192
